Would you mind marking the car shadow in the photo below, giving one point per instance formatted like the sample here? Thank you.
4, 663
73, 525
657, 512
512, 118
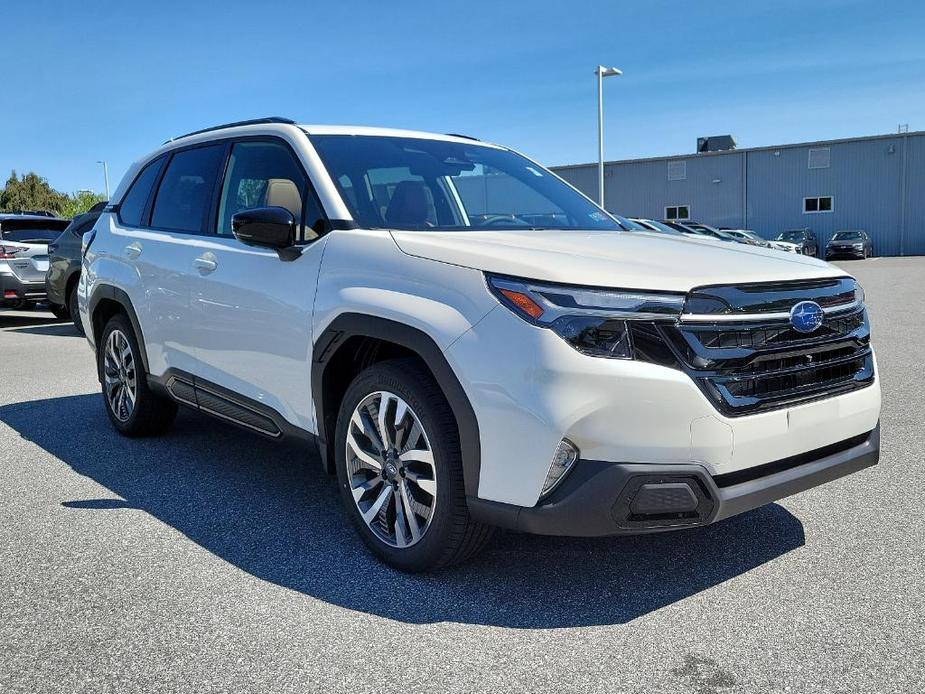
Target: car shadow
66, 329
267, 508
15, 319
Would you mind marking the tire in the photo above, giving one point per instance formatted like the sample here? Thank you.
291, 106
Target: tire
446, 535
73, 311
60, 312
119, 362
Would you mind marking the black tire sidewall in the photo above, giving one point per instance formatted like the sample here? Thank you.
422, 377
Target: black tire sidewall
435, 417
74, 311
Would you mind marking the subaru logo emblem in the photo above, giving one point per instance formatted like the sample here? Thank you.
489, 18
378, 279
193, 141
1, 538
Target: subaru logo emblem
806, 316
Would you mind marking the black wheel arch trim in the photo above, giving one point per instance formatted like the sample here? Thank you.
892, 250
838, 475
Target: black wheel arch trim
348, 325
107, 291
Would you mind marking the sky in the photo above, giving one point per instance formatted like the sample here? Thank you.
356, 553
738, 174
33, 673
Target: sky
87, 81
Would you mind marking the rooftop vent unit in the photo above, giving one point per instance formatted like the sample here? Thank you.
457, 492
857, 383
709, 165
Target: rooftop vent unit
716, 143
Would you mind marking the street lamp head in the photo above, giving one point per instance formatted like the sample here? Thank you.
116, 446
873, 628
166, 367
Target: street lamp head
608, 71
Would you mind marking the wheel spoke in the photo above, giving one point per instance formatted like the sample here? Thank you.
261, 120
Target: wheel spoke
417, 456
360, 489
362, 421
383, 420
366, 459
401, 537
428, 485
370, 513
409, 515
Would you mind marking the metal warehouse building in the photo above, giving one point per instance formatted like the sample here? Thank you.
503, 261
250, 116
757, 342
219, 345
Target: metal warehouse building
872, 183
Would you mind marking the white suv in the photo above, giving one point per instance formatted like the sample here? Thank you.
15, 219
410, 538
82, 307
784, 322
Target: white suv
468, 340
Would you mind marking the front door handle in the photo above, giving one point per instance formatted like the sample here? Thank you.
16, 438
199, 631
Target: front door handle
133, 250
205, 263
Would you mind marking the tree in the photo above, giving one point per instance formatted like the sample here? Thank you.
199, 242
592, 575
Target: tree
80, 202
31, 192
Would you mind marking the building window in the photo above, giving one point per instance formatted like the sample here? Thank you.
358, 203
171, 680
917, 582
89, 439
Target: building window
820, 158
825, 203
677, 170
679, 212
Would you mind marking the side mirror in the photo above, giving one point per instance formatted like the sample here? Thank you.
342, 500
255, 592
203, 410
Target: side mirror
270, 227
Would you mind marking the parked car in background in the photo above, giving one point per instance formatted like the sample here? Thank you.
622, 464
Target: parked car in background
24, 240
803, 239
64, 265
458, 364
697, 229
853, 243
746, 236
628, 224
652, 225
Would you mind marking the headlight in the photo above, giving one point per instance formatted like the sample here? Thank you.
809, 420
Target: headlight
859, 246
593, 321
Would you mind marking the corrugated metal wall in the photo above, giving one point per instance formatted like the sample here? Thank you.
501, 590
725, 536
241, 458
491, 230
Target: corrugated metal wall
764, 189
914, 236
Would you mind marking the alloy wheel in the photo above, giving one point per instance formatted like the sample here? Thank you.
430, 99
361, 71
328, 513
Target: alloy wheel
119, 377
390, 469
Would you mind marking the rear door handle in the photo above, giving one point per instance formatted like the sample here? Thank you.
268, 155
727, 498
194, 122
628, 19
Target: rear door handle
205, 264
133, 250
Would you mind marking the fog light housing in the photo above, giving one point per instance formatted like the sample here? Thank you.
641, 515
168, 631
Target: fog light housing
563, 460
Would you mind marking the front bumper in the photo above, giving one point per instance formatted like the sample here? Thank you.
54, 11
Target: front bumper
844, 253
14, 289
600, 498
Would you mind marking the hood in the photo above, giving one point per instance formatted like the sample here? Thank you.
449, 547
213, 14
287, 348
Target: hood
629, 260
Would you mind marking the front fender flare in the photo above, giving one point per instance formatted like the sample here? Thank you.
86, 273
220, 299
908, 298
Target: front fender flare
349, 325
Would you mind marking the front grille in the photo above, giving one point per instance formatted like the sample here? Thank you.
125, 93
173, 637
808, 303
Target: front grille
758, 363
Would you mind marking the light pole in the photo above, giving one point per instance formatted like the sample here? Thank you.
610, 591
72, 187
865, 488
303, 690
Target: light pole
105, 176
601, 73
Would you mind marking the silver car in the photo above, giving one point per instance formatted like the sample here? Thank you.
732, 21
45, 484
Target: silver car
24, 240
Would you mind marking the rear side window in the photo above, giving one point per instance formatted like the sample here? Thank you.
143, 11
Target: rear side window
132, 206
185, 193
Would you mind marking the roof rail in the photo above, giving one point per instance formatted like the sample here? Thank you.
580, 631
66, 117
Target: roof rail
252, 121
465, 137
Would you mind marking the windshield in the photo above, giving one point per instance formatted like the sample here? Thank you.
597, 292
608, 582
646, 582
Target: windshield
792, 236
420, 184
847, 235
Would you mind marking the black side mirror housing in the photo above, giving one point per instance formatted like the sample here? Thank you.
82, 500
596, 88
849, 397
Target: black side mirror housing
269, 227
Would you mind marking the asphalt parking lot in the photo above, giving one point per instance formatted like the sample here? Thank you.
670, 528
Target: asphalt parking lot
213, 560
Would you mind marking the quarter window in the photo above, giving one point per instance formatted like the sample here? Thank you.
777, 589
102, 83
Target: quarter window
185, 193
133, 204
678, 212
813, 205
266, 174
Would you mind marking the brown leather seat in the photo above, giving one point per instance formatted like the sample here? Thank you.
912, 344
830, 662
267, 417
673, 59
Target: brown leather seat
281, 192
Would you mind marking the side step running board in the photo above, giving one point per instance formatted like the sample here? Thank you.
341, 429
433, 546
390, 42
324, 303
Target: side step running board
221, 406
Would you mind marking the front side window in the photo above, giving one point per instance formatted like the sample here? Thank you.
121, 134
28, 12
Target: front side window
133, 203
185, 193
266, 174
420, 184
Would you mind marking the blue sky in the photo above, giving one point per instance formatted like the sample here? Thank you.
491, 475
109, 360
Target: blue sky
92, 80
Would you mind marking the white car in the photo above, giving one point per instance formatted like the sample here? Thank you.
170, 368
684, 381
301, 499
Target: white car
747, 236
468, 340
24, 240
785, 246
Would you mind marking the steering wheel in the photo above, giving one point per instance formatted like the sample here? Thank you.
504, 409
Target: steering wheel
502, 219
